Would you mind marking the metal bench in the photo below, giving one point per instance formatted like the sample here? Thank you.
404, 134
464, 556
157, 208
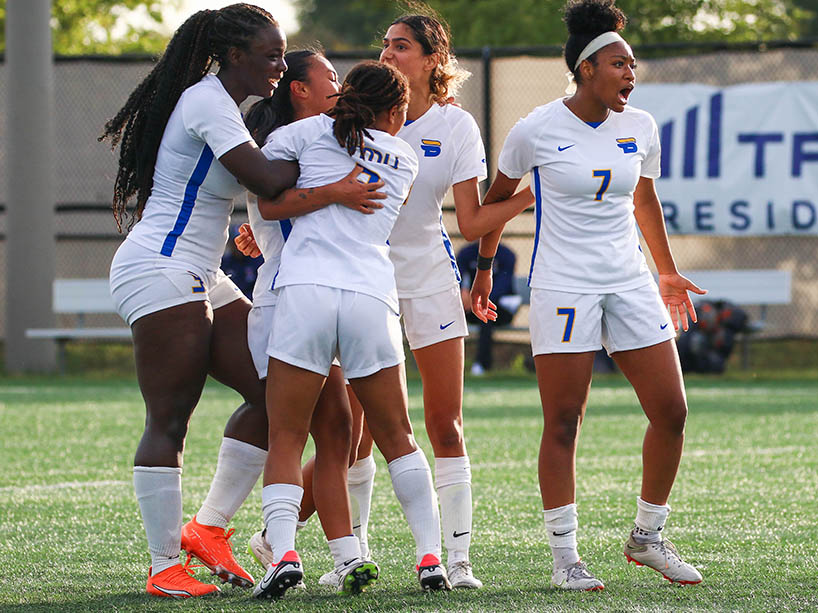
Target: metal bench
80, 297
750, 287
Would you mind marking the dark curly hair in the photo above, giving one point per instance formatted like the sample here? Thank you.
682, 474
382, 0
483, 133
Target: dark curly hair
369, 88
271, 113
138, 127
587, 19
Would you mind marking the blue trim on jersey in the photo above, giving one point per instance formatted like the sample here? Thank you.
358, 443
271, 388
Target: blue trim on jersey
409, 122
537, 214
189, 200
286, 228
448, 244
595, 124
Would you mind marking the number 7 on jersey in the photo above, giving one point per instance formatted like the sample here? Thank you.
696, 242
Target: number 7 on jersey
606, 181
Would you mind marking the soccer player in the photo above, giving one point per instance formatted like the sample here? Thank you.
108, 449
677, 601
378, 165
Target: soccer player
593, 161
447, 142
308, 88
337, 294
183, 147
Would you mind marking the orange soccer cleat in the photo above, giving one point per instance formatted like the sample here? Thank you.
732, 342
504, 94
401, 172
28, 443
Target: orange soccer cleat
211, 545
177, 582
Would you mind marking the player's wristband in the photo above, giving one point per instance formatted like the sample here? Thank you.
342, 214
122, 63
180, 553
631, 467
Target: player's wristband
484, 263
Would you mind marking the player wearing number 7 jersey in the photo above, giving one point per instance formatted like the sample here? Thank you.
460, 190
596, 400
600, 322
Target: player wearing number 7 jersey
592, 161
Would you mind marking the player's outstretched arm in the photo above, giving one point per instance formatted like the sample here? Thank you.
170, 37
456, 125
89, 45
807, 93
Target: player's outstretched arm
476, 220
349, 192
673, 287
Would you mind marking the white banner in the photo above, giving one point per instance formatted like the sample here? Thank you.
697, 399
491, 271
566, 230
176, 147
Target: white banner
739, 160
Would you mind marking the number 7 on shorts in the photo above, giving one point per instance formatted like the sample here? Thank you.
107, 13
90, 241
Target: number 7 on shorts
569, 313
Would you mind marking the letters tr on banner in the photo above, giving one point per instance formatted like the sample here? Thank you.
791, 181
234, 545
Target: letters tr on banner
739, 160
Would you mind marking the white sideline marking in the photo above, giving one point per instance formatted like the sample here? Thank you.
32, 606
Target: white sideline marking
31, 489
67, 485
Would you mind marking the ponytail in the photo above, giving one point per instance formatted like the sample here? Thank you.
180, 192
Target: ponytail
369, 89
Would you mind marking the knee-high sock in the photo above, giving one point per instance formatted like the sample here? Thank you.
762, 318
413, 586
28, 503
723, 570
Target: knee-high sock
453, 485
360, 479
159, 493
239, 467
280, 504
412, 482
561, 524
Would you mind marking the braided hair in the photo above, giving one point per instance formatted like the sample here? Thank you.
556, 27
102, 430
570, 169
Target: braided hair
369, 88
587, 19
138, 127
271, 113
433, 35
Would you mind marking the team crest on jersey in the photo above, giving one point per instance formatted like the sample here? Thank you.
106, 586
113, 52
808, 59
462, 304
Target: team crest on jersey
431, 148
628, 145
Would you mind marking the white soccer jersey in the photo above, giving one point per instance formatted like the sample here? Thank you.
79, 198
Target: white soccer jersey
188, 211
447, 142
336, 246
583, 180
270, 237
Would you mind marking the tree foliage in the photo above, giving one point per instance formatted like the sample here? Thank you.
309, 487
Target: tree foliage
357, 23
104, 26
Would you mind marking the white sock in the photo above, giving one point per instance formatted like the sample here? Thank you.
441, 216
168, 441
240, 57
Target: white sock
561, 524
158, 490
280, 504
344, 550
239, 467
453, 485
412, 482
650, 520
360, 479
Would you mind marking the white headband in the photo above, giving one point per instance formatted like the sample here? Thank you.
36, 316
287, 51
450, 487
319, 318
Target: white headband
603, 40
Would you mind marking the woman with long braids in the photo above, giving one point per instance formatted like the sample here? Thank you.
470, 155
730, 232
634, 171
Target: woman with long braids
336, 294
184, 154
593, 161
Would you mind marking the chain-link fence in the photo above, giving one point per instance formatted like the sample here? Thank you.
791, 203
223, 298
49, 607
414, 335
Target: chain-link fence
505, 85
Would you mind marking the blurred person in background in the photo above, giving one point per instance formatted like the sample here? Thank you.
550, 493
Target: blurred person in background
242, 269
502, 295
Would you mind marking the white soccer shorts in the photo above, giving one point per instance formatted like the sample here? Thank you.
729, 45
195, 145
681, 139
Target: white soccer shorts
432, 319
144, 282
313, 322
564, 322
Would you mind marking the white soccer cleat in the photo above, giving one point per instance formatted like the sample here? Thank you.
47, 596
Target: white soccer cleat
460, 575
279, 578
260, 549
662, 557
331, 579
355, 576
576, 577
432, 574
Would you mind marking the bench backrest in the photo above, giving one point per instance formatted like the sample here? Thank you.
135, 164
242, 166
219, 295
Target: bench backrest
743, 287
82, 296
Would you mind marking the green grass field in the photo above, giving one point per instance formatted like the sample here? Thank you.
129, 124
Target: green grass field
745, 503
